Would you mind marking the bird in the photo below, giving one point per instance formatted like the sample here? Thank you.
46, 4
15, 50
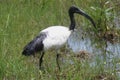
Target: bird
54, 37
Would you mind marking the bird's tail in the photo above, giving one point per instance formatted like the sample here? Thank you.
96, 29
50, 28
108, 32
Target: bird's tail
34, 46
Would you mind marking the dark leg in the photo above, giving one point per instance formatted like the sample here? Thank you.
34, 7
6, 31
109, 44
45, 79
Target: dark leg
57, 60
41, 60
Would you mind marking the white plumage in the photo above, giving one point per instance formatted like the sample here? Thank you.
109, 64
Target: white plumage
56, 36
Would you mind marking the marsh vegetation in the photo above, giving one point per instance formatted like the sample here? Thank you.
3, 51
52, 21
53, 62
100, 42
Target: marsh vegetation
21, 21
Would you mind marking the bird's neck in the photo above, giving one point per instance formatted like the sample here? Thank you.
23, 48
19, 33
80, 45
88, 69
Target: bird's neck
72, 20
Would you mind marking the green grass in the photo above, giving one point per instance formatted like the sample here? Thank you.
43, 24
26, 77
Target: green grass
21, 20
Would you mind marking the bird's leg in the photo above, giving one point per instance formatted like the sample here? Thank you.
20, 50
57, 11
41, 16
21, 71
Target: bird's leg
57, 60
41, 59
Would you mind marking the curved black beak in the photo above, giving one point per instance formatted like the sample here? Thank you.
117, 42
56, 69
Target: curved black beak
73, 10
87, 16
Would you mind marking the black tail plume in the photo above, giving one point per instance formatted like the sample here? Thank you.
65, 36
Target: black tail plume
35, 45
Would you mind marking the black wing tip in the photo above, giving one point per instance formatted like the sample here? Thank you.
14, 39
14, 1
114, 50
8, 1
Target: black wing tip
28, 49
34, 46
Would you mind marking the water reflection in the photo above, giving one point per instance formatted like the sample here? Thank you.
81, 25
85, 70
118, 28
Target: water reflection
108, 53
109, 49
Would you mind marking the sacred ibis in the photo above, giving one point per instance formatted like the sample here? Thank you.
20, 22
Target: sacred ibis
54, 36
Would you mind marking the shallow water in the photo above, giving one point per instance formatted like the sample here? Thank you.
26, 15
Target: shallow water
108, 53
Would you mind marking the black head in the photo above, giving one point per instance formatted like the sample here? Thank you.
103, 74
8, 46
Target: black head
73, 10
